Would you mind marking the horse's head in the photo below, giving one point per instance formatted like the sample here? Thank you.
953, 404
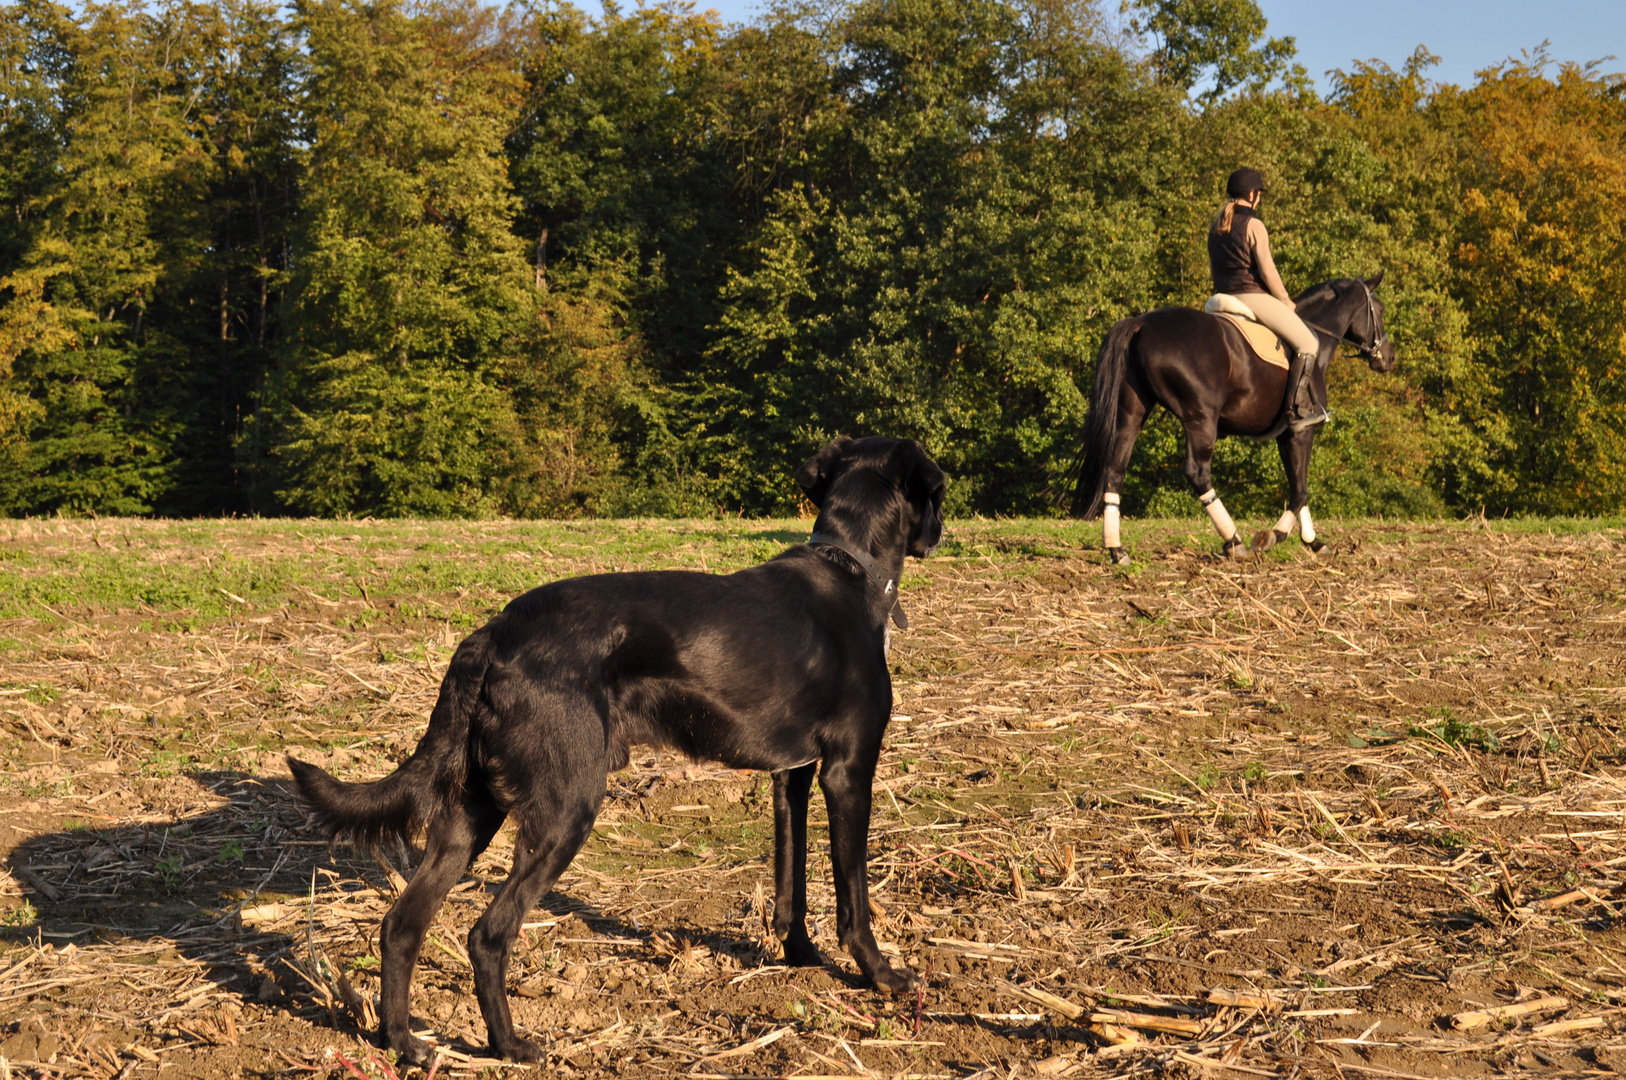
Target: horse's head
1366, 328
1350, 309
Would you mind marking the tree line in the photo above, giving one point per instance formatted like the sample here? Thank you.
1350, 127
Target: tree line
452, 259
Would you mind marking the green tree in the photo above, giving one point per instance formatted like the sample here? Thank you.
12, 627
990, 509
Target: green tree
413, 299
226, 270
1217, 42
1415, 129
102, 424
631, 206
943, 263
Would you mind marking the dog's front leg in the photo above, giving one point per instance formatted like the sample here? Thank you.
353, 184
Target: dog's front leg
846, 787
790, 793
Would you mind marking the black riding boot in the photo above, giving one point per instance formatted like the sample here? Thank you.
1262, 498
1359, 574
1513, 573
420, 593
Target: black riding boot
1303, 410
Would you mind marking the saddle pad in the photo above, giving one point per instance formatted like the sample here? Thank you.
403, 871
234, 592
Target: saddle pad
1261, 339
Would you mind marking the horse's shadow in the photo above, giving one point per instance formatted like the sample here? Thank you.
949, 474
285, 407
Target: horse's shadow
243, 893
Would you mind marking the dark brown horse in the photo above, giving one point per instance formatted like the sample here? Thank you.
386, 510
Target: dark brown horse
1200, 369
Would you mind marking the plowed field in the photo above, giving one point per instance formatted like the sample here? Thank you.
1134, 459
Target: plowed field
1359, 815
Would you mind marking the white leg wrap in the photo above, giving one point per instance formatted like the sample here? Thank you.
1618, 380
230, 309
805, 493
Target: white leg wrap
1218, 514
1306, 526
1285, 525
1110, 536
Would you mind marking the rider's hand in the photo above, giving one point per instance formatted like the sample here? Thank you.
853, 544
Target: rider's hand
1292, 306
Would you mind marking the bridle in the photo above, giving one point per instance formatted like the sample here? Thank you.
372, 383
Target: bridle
1373, 350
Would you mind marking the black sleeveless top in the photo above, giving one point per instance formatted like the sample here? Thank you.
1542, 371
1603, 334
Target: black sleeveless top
1230, 259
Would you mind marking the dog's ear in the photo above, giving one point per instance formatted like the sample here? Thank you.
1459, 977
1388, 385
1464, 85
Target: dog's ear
923, 485
817, 471
919, 475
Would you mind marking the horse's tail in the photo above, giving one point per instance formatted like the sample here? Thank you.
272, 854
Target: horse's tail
432, 779
1101, 429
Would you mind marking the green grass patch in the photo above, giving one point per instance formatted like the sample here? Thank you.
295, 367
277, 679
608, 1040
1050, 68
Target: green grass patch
184, 575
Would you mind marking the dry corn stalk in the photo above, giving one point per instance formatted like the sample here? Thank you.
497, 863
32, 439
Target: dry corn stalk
1147, 1022
1118, 1039
1241, 999
1465, 1021
1049, 1000
1564, 1027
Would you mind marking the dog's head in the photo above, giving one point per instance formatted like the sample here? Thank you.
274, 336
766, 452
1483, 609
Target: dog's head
862, 485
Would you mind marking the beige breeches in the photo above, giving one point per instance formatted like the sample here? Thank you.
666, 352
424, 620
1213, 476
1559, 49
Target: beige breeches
1280, 318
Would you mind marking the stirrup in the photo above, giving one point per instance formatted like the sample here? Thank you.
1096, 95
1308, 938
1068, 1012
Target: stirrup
1297, 424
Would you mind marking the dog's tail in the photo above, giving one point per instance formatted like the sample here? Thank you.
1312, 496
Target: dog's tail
404, 802
1101, 429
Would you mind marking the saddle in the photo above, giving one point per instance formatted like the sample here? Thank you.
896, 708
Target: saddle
1260, 338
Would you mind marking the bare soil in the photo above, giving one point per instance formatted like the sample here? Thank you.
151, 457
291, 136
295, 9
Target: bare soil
1283, 817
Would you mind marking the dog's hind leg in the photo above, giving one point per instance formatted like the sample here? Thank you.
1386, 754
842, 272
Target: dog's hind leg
790, 793
542, 850
453, 837
847, 788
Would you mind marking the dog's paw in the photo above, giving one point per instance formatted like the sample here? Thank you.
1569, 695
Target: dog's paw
802, 953
896, 980
515, 1048
410, 1050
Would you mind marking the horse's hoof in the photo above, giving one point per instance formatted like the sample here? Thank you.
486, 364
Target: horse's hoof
1119, 556
1317, 547
1264, 540
1236, 549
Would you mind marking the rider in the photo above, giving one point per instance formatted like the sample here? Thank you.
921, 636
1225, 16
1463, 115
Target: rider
1239, 260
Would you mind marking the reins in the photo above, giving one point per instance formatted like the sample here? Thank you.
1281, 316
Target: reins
1368, 351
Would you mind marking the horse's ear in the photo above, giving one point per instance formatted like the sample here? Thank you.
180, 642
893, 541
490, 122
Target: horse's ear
1373, 282
817, 471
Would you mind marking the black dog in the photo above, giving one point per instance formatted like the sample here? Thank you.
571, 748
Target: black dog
778, 667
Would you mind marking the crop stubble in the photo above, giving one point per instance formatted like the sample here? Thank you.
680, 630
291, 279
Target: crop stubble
1357, 816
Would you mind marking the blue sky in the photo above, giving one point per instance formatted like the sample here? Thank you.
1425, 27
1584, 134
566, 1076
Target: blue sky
1466, 34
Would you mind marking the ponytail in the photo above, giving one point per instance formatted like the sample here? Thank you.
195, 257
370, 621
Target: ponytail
1222, 223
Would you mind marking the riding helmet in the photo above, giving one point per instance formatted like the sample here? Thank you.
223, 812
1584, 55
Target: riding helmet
1244, 182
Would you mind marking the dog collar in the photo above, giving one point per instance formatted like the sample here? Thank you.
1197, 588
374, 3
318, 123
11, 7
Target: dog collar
870, 567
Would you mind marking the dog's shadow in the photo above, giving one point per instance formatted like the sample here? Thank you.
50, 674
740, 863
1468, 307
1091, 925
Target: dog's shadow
227, 893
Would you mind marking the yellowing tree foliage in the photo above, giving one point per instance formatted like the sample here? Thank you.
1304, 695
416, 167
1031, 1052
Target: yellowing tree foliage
1541, 270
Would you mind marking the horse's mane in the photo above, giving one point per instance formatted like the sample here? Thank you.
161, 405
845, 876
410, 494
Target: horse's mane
1314, 302
1322, 292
